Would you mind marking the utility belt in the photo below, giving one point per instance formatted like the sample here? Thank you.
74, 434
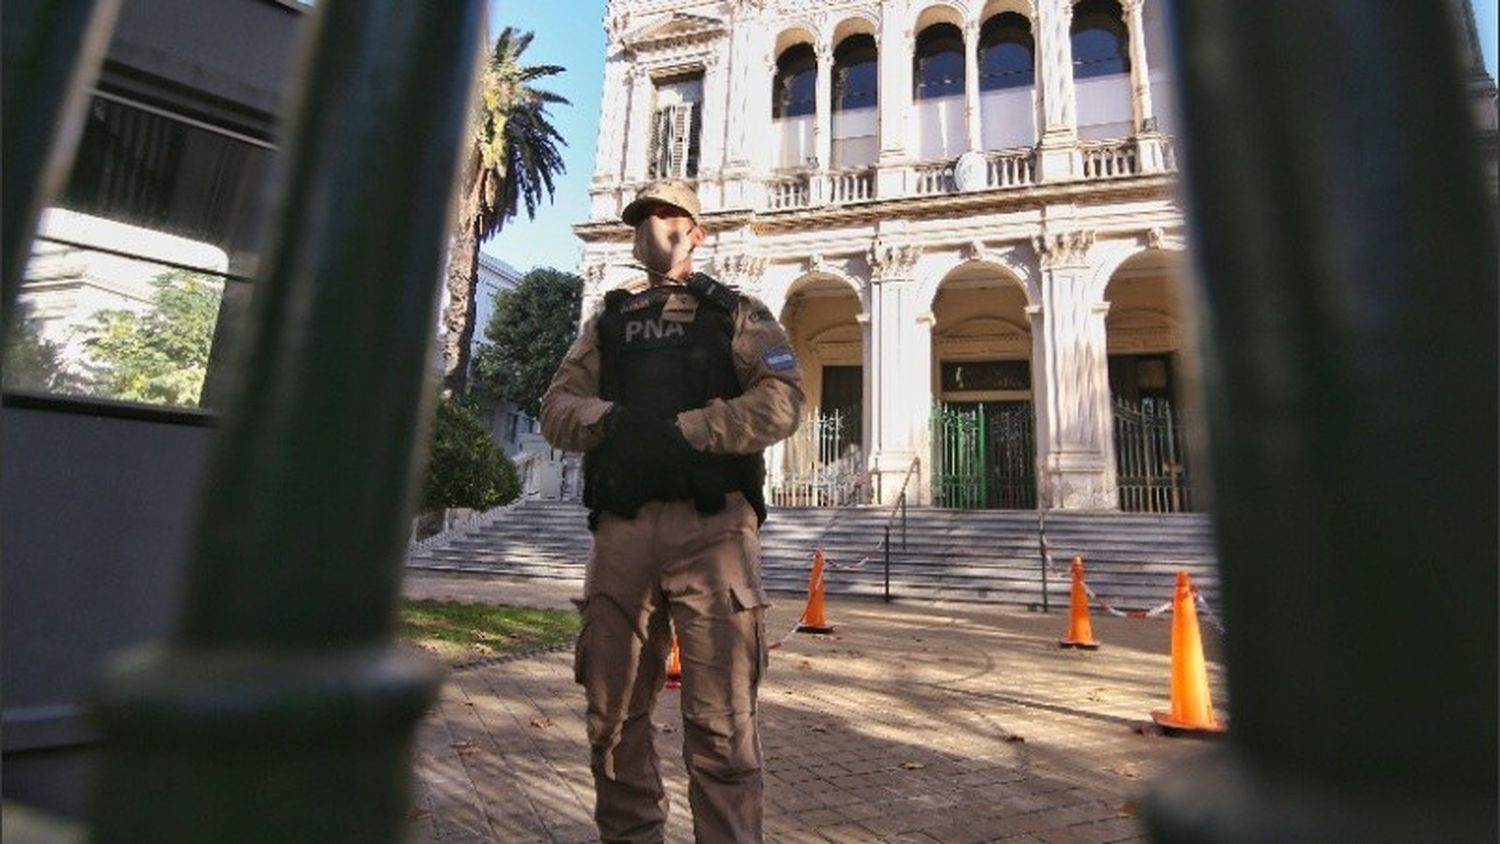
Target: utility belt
706, 482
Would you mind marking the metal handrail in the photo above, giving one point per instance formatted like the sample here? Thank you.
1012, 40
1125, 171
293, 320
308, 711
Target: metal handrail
899, 505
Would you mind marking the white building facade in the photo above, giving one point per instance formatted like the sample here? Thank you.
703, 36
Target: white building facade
963, 211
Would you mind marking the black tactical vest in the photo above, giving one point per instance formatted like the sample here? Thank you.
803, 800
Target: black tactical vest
658, 359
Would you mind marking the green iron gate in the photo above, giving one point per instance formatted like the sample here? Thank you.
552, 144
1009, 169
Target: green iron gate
1151, 457
984, 456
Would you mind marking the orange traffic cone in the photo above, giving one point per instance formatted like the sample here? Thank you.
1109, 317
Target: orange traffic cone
1080, 630
1192, 711
813, 620
674, 665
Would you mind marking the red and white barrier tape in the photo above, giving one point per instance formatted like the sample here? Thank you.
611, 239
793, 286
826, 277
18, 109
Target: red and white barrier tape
1149, 613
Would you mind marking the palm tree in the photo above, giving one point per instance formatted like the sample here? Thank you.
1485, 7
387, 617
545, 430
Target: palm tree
512, 161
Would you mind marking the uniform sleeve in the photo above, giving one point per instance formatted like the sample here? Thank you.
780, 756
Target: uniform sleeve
572, 412
770, 406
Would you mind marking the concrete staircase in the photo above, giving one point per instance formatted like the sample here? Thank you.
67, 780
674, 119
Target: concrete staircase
950, 555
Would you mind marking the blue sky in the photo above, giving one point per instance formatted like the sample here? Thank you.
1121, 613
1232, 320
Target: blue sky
568, 33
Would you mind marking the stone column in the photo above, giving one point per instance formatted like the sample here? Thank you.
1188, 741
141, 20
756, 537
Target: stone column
1058, 157
1075, 451
711, 140
895, 58
823, 124
894, 420
1140, 80
1148, 142
638, 125
747, 107
609, 156
971, 84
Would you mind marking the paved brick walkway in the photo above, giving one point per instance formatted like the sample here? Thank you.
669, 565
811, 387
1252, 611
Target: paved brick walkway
910, 723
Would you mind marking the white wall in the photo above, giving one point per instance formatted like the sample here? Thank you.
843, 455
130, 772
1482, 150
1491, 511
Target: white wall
856, 137
793, 143
1104, 110
939, 126
1008, 118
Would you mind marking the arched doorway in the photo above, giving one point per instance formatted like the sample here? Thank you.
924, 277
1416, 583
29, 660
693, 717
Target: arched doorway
823, 463
1145, 342
983, 427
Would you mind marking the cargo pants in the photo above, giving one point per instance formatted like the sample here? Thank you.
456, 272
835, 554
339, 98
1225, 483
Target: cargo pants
702, 571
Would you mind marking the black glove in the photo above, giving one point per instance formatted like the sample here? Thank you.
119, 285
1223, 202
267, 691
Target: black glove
646, 443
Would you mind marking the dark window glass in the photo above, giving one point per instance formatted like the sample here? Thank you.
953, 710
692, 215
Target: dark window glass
1099, 40
855, 73
149, 170
1006, 53
986, 375
795, 91
938, 66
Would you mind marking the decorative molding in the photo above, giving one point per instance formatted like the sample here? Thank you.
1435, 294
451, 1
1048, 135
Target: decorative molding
740, 271
890, 261
674, 31
615, 26
1067, 249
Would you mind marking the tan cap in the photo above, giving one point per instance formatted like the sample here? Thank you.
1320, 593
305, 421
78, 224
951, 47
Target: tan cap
674, 192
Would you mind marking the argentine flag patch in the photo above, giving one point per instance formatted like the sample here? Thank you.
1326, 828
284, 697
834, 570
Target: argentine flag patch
779, 359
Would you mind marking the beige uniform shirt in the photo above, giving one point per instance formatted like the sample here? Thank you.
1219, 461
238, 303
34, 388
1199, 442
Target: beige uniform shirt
766, 412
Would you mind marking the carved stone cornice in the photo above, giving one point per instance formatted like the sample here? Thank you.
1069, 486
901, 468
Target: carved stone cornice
890, 261
673, 31
1065, 249
742, 271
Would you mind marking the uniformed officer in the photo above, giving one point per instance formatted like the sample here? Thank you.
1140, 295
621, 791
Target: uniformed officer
672, 390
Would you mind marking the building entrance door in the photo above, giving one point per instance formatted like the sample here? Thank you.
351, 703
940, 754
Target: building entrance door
984, 455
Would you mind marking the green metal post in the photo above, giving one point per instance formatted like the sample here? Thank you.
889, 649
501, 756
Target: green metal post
51, 54
1348, 265
281, 710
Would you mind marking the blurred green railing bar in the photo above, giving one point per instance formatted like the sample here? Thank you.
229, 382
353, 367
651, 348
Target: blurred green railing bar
281, 710
1347, 249
51, 54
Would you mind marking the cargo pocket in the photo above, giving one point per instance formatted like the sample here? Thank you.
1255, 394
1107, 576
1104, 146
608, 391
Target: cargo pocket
580, 646
753, 599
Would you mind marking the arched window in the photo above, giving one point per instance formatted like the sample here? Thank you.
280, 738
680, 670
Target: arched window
1007, 53
1099, 39
938, 66
855, 73
794, 92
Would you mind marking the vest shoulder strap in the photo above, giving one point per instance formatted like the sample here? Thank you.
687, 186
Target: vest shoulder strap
709, 290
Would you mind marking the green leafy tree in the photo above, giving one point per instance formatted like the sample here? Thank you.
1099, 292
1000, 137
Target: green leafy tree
466, 468
159, 356
532, 327
32, 362
511, 162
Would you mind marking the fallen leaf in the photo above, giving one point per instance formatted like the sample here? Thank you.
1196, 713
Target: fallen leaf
541, 723
1015, 738
912, 766
666, 728
818, 728
1128, 769
1096, 695
418, 814
464, 748
1129, 809
805, 665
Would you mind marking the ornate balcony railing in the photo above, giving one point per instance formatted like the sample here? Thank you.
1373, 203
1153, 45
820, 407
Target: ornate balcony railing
934, 177
1004, 170
1110, 159
1012, 169
784, 192
856, 184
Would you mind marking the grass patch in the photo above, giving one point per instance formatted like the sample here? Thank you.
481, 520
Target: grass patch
461, 632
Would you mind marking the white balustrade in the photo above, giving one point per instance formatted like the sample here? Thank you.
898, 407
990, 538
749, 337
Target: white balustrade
852, 185
1110, 160
934, 177
1012, 169
788, 192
